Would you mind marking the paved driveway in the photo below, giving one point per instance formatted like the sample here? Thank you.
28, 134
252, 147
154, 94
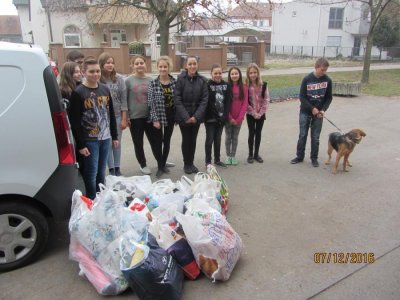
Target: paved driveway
284, 214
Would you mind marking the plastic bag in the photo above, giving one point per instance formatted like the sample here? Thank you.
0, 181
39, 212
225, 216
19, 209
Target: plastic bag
156, 275
168, 239
163, 194
99, 231
224, 191
129, 188
215, 244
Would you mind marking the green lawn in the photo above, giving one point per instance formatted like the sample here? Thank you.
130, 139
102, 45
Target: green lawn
382, 82
285, 63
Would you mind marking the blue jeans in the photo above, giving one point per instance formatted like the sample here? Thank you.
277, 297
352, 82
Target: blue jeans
114, 157
95, 166
307, 121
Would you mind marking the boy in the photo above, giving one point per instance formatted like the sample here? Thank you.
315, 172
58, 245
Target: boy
93, 125
315, 97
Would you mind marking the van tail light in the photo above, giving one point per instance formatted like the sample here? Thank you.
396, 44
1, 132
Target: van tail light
62, 129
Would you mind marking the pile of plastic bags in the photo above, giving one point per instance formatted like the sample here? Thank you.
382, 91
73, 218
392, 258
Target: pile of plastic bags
149, 236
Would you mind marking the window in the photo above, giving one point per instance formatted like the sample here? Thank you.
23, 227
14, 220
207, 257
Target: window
335, 18
261, 23
255, 23
294, 14
72, 36
333, 41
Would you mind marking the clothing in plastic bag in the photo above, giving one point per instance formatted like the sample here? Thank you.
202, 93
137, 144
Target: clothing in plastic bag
156, 275
215, 244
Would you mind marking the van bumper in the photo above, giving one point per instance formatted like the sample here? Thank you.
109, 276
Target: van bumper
56, 193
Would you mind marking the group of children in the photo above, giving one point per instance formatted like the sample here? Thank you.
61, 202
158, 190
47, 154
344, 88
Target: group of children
101, 103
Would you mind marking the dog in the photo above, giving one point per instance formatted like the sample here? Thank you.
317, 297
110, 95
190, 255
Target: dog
343, 144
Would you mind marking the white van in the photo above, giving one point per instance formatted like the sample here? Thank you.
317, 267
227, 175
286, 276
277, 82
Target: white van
38, 171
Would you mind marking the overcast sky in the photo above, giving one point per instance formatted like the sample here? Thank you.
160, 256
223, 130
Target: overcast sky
7, 8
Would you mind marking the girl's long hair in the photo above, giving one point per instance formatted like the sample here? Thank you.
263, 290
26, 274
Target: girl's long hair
240, 82
102, 61
258, 79
67, 83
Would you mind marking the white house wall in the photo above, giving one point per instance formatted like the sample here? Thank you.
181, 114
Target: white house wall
302, 28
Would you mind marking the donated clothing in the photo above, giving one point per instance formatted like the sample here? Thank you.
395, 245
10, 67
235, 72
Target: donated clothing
315, 92
137, 96
92, 114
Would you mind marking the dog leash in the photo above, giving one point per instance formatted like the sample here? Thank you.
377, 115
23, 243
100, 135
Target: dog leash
333, 124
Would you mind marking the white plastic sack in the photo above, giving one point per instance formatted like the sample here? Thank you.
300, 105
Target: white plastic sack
100, 230
129, 187
215, 244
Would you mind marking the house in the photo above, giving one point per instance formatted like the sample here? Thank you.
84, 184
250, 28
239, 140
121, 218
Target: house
247, 22
10, 29
325, 29
84, 24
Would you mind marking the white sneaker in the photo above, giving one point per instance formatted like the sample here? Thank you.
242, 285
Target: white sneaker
145, 170
169, 164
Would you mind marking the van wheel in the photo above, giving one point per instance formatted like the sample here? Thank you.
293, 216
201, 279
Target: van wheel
23, 235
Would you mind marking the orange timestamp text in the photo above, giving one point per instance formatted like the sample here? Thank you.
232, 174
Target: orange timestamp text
344, 257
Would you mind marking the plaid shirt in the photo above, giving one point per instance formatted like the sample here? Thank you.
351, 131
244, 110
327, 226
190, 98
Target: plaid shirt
156, 100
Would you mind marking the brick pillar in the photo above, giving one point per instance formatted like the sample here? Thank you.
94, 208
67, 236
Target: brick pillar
124, 55
261, 54
57, 53
224, 53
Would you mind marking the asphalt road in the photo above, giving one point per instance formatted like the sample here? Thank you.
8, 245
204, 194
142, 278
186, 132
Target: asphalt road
284, 214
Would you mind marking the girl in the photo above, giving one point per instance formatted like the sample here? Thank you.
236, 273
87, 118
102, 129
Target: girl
219, 99
137, 88
93, 125
236, 114
70, 78
258, 102
162, 111
191, 96
116, 84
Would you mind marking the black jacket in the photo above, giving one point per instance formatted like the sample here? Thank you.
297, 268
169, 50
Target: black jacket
218, 109
190, 97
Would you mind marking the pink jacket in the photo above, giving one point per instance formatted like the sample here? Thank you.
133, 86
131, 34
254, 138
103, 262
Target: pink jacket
238, 107
257, 105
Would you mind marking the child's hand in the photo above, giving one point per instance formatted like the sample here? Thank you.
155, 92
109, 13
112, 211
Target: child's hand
157, 125
124, 124
85, 151
115, 143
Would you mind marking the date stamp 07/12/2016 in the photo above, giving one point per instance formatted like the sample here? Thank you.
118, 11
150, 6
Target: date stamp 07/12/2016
344, 257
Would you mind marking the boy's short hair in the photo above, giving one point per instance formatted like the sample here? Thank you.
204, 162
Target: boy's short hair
88, 61
321, 62
74, 55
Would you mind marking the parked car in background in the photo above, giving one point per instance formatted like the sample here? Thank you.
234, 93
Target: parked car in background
38, 171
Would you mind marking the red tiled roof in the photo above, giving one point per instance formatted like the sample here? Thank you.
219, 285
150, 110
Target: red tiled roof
253, 10
10, 25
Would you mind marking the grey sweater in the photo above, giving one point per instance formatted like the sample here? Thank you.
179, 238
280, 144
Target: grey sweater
118, 94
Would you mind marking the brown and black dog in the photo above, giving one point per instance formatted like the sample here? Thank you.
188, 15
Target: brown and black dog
343, 144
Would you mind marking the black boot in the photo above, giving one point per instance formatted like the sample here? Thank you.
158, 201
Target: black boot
111, 171
117, 171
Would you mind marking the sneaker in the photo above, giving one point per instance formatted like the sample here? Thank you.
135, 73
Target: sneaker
234, 161
165, 169
315, 163
194, 169
220, 164
258, 159
111, 171
117, 171
250, 159
187, 169
296, 160
228, 161
169, 164
145, 170
159, 173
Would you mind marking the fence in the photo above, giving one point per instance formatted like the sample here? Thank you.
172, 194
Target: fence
338, 52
